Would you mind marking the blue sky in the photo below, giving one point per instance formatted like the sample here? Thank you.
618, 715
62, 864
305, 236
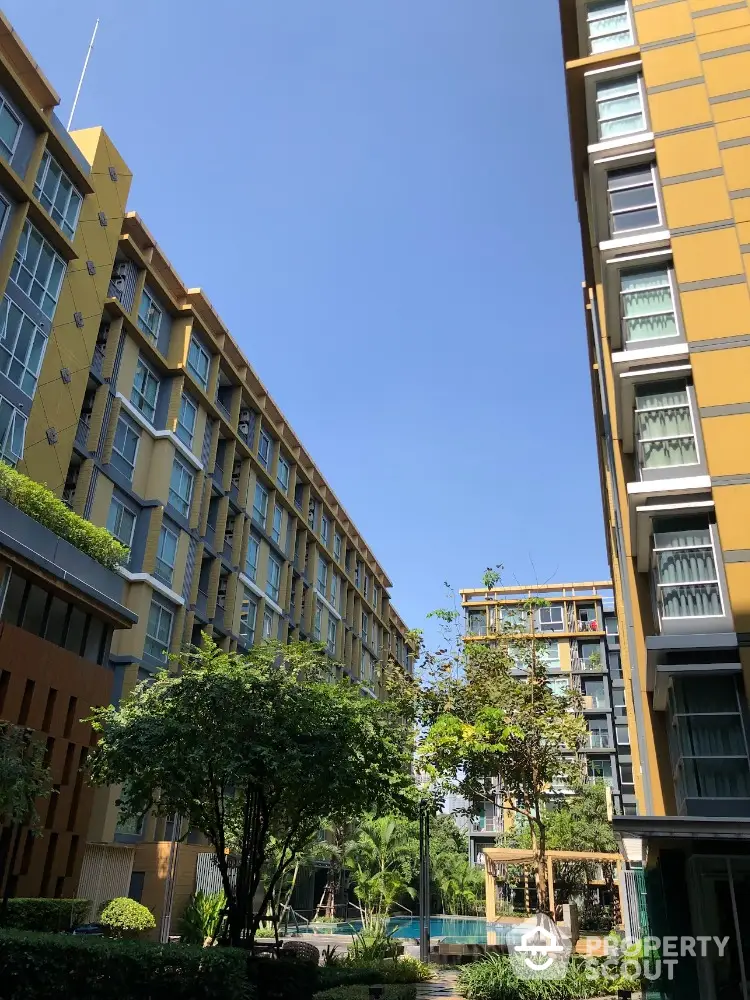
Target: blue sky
376, 195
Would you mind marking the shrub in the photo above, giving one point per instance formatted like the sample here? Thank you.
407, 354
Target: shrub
200, 918
48, 966
123, 917
373, 943
352, 972
52, 915
43, 506
390, 992
495, 979
282, 979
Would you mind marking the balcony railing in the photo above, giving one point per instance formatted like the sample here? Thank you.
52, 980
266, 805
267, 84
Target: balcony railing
82, 431
598, 741
487, 824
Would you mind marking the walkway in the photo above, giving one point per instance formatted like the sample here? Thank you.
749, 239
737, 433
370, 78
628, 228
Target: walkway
443, 987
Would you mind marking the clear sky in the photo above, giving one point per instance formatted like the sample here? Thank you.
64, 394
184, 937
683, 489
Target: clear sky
376, 195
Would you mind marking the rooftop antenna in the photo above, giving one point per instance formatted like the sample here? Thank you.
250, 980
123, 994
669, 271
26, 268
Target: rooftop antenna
83, 73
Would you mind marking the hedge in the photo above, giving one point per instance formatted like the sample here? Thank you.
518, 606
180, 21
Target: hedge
394, 991
282, 979
48, 966
52, 915
43, 506
346, 973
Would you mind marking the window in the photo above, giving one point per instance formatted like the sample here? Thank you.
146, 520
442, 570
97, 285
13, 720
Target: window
248, 615
594, 689
550, 619
365, 627
260, 506
626, 778
10, 129
357, 573
618, 697
38, 270
125, 447
337, 546
181, 487
598, 733
647, 305
4, 210
590, 654
318, 621
612, 628
366, 588
145, 390
312, 513
608, 24
685, 573
325, 530
268, 624
198, 362
334, 590
273, 581
185, 429
322, 576
264, 450
615, 665
121, 522
559, 686
374, 637
282, 474
149, 315
251, 560
664, 426
278, 518
708, 742
549, 654
633, 203
22, 346
166, 553
332, 636
623, 735
619, 107
600, 770
56, 193
376, 598
158, 630
12, 433
476, 621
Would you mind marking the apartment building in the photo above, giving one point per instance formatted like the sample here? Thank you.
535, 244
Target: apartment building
121, 388
577, 637
659, 111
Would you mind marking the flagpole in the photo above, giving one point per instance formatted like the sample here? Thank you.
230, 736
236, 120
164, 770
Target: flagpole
83, 73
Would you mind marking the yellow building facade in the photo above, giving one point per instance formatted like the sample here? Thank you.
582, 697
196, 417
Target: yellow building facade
659, 109
123, 391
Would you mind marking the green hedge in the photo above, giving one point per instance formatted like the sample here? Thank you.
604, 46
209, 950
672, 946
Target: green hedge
393, 991
282, 979
47, 967
403, 970
43, 506
52, 915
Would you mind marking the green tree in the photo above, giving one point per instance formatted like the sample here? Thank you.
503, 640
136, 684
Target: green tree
381, 865
256, 751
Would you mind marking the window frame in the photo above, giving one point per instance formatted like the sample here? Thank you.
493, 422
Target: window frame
5, 105
252, 541
637, 76
276, 530
177, 461
325, 529
9, 437
189, 436
115, 500
616, 234
715, 549
251, 601
164, 610
588, 49
141, 322
166, 532
202, 352
275, 591
622, 296
41, 177
283, 482
333, 626
259, 487
130, 428
19, 264
149, 373
322, 567
337, 543
651, 472
265, 459
29, 378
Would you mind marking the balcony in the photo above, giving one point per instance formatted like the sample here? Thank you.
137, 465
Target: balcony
487, 824
598, 741
82, 430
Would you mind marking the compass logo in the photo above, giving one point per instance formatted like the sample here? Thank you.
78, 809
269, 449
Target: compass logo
538, 950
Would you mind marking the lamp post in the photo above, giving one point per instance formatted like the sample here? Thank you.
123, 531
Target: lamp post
424, 880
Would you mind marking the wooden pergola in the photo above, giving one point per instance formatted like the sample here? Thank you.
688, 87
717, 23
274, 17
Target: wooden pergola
494, 857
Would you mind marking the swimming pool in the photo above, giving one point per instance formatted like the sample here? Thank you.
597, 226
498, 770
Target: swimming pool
452, 930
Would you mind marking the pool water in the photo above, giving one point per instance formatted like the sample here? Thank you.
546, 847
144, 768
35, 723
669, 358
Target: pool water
453, 930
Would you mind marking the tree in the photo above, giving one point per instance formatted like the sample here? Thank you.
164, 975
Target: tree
256, 751
491, 720
381, 865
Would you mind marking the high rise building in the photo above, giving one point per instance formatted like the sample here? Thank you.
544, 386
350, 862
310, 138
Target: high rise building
576, 635
659, 110
122, 389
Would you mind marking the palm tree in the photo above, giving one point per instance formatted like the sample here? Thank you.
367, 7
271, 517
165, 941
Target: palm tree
381, 865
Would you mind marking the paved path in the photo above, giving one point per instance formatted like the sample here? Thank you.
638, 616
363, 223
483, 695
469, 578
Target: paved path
443, 987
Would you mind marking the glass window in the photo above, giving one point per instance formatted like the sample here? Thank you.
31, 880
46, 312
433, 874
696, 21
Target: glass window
278, 519
145, 390
198, 362
36, 610
685, 573
166, 554
181, 487
476, 621
159, 630
365, 627
273, 582
10, 129
618, 697
334, 589
550, 619
57, 621
248, 615
623, 734
96, 638
282, 474
620, 107
608, 24
325, 530
121, 521
633, 203
268, 624
590, 654
549, 654
337, 546
264, 450
149, 315
322, 577
615, 665
76, 627
125, 446
559, 685
600, 770
22, 347
594, 689
260, 506
251, 560
647, 305
38, 270
185, 429
318, 621
57, 194
598, 733
664, 426
332, 635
